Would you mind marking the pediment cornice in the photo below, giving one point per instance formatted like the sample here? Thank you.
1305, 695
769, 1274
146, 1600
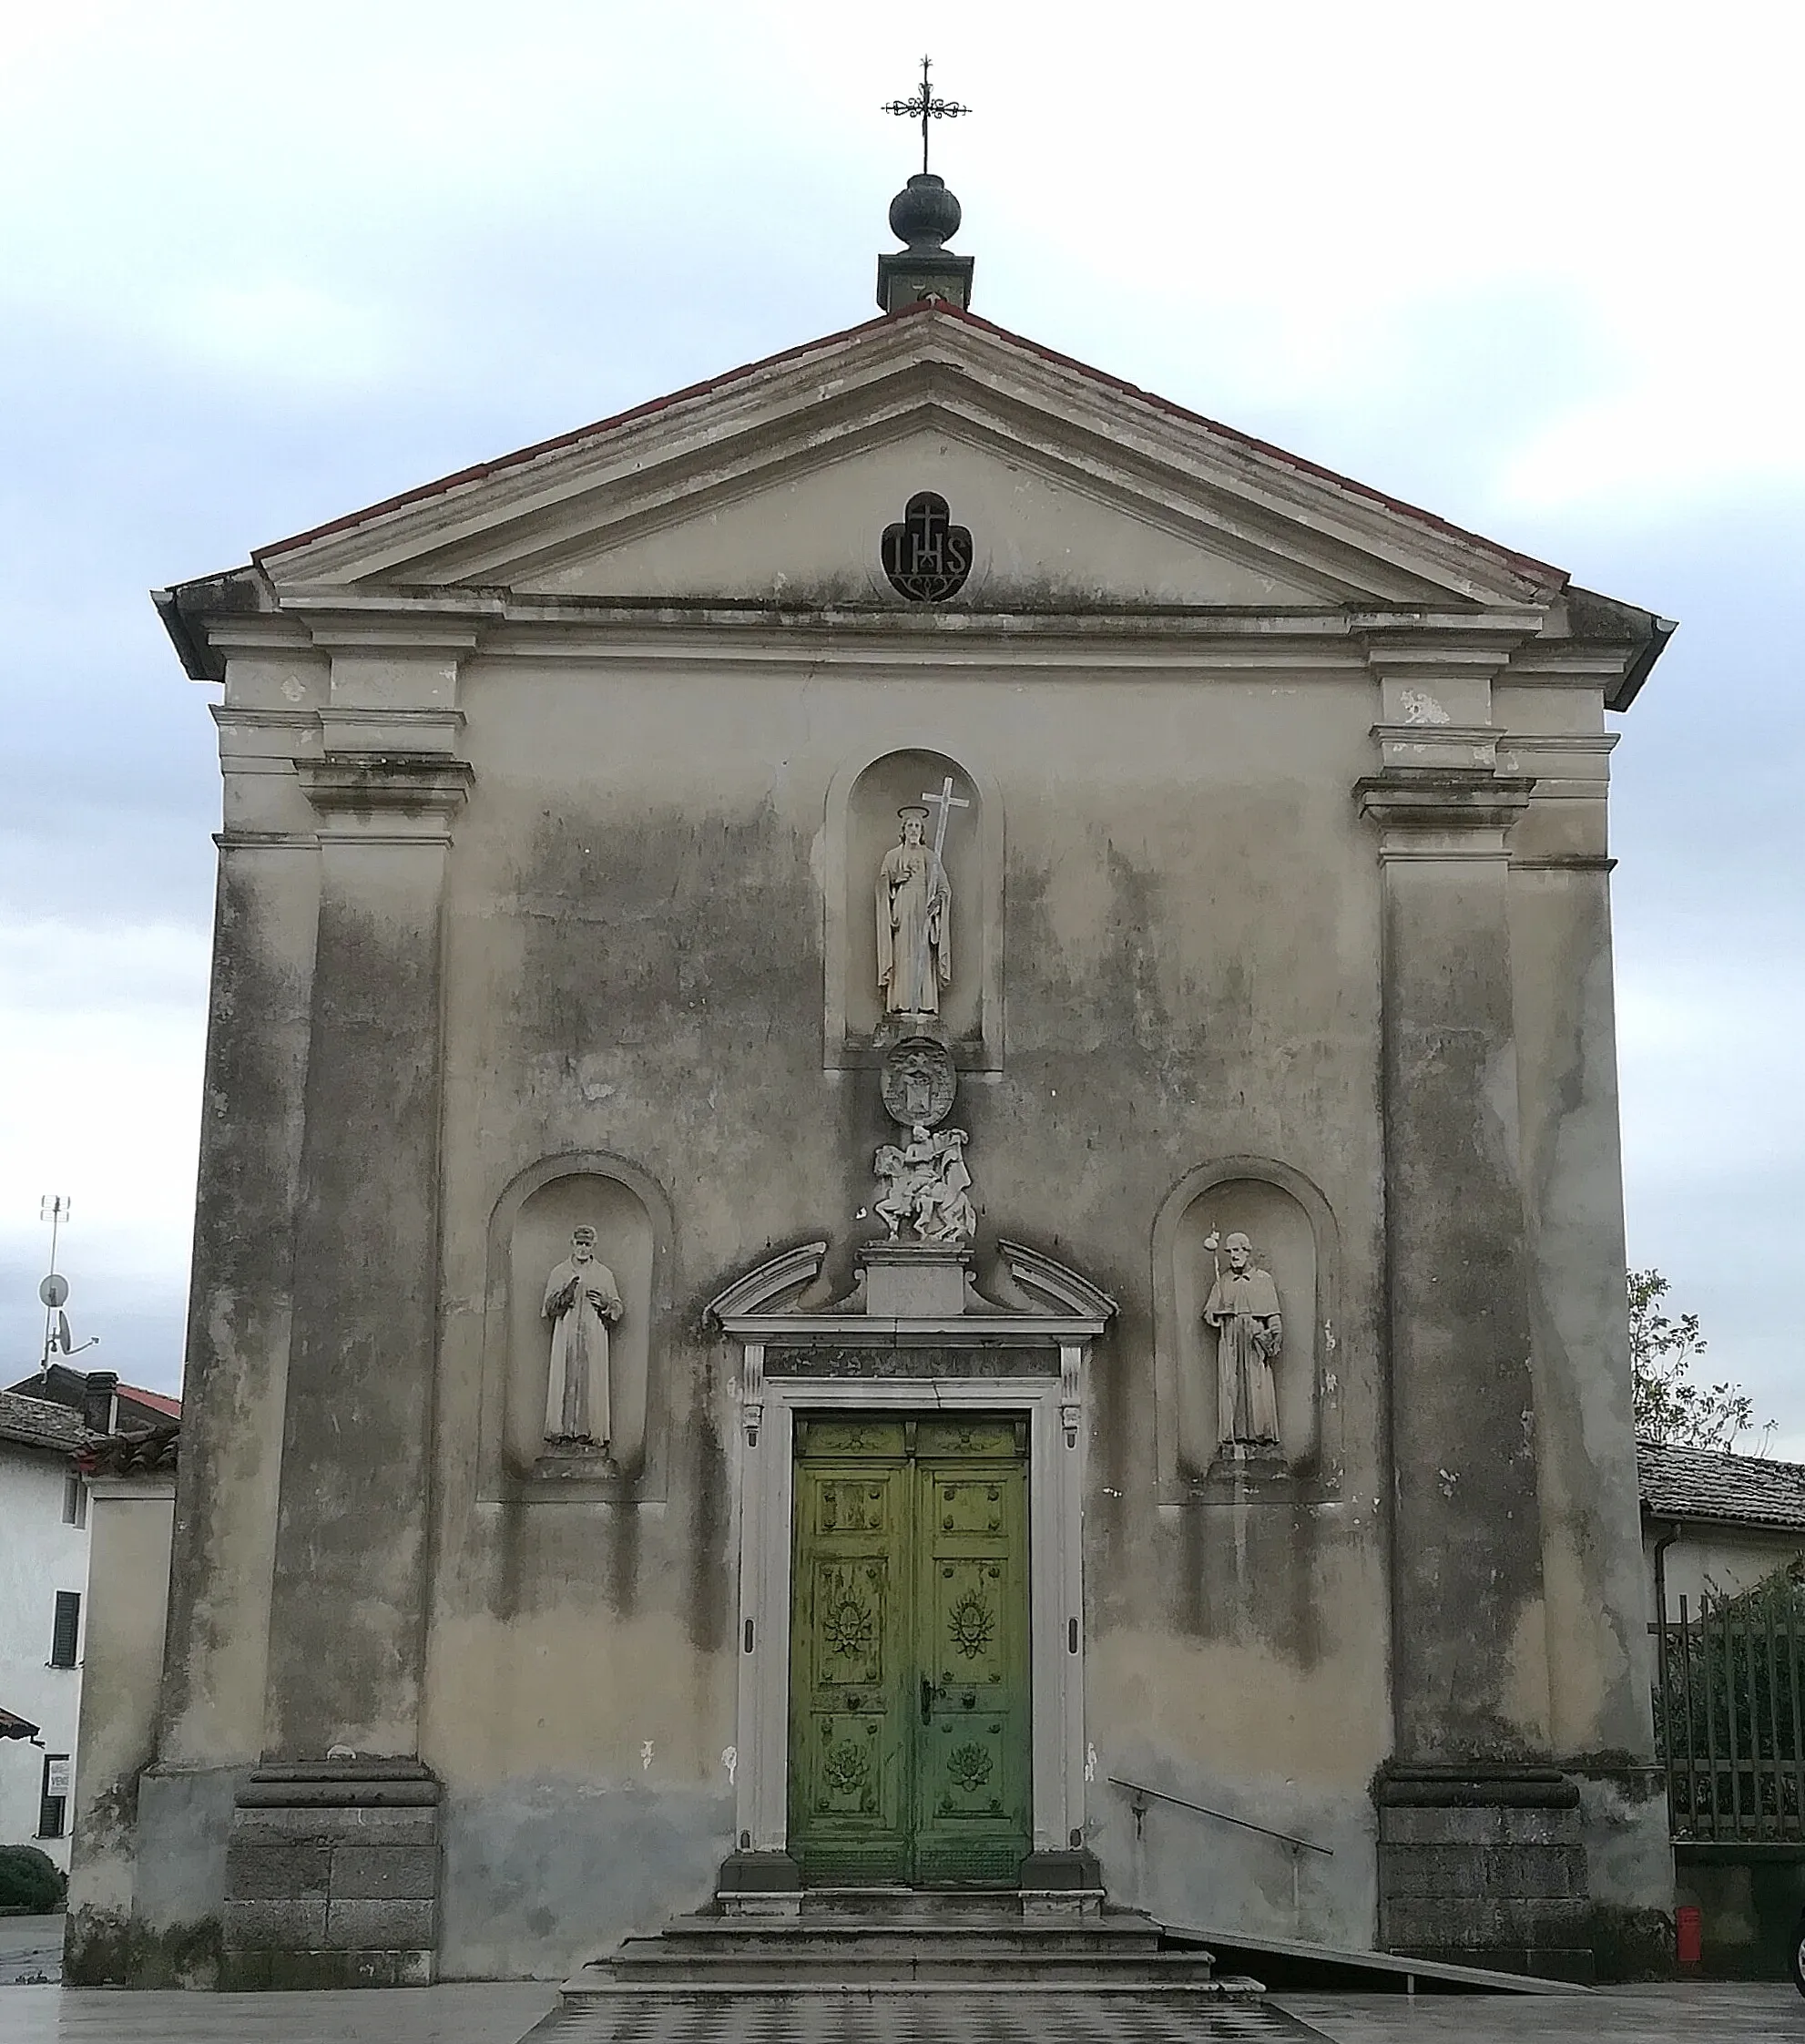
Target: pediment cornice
497, 624
952, 374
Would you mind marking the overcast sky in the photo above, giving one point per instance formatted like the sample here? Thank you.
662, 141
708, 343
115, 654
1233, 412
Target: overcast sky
1536, 269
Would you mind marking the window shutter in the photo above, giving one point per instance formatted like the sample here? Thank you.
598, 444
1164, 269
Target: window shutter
53, 1801
66, 1630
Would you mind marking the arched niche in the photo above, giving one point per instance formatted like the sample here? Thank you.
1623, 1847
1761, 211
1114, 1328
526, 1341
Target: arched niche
1293, 1232
530, 1235
862, 825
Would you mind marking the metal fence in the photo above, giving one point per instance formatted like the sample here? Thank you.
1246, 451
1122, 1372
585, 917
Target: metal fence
1730, 1704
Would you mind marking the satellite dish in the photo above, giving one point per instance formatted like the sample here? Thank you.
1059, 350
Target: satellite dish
63, 1332
53, 1290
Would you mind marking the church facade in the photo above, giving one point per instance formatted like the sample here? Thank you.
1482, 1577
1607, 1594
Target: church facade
910, 1178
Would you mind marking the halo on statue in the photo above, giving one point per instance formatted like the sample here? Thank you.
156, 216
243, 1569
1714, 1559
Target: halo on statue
917, 1082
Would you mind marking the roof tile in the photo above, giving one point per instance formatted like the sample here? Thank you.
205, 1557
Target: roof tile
1707, 1483
36, 1423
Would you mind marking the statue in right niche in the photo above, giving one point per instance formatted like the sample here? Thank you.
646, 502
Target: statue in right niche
1243, 1310
915, 923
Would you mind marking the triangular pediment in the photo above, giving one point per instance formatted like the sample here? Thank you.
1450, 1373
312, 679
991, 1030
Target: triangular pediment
775, 485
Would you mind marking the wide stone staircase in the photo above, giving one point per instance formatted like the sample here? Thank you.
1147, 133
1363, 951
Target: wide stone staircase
860, 1940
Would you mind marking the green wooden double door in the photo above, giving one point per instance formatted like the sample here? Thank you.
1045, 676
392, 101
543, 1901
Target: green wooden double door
909, 1707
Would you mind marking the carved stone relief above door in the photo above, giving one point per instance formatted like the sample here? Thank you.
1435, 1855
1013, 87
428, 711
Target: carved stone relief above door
908, 931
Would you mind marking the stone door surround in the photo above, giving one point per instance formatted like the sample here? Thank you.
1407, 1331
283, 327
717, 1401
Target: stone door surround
915, 1337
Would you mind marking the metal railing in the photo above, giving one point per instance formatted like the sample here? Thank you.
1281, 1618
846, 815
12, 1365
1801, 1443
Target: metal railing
1140, 1795
1139, 1792
1729, 1716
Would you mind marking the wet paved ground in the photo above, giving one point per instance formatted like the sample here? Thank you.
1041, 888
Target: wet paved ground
462, 2014
1752, 2014
958, 2015
31, 1949
506, 2013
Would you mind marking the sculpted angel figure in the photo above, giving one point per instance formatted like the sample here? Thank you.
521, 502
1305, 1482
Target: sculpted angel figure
1243, 1308
582, 1301
914, 922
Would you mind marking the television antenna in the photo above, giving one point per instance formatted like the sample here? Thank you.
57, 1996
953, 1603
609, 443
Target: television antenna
54, 1291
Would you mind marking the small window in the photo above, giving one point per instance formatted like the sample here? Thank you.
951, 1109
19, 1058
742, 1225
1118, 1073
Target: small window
75, 1500
53, 1801
66, 1633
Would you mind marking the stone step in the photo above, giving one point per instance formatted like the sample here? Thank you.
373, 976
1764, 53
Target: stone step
995, 1932
1167, 1976
860, 1940
900, 1956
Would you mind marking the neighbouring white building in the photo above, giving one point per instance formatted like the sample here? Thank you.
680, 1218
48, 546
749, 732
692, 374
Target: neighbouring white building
42, 1582
1715, 1523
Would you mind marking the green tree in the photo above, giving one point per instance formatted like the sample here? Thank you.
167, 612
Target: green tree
1671, 1407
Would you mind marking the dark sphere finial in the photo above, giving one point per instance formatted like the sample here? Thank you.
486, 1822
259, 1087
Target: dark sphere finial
924, 214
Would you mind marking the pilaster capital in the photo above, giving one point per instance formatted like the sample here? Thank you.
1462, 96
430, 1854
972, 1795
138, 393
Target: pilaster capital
385, 797
1435, 678
1442, 812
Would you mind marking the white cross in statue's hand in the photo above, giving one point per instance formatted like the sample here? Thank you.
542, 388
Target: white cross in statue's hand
944, 801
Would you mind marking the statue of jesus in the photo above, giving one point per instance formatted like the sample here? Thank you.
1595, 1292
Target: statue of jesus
1243, 1308
581, 1301
915, 919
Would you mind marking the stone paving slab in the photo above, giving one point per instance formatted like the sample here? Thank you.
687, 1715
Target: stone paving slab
511, 2012
1756, 2013
959, 2017
484, 2014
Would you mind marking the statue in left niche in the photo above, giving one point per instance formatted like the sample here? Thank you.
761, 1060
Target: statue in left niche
582, 1301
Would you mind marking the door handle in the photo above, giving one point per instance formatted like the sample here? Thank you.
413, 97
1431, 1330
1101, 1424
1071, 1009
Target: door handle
927, 1700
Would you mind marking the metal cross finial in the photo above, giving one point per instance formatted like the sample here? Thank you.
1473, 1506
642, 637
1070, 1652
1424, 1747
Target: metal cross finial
926, 108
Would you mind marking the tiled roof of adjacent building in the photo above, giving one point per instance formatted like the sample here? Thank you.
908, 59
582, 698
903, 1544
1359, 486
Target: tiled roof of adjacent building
1705, 1483
36, 1423
153, 1401
134, 1451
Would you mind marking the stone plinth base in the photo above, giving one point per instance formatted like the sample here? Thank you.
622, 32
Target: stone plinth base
759, 1885
914, 1281
333, 1877
1251, 1463
1058, 1886
576, 1460
1484, 1867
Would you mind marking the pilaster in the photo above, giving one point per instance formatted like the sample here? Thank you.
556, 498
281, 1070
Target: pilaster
1469, 1649
332, 1872
347, 1609
240, 1293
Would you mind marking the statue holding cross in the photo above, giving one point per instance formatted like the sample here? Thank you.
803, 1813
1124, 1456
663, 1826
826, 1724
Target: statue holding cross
914, 911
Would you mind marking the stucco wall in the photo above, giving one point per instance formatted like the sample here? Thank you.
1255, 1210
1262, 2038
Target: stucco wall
127, 1605
1721, 1558
39, 1555
634, 967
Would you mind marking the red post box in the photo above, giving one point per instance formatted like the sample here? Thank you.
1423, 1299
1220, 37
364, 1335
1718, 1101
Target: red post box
1688, 1932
